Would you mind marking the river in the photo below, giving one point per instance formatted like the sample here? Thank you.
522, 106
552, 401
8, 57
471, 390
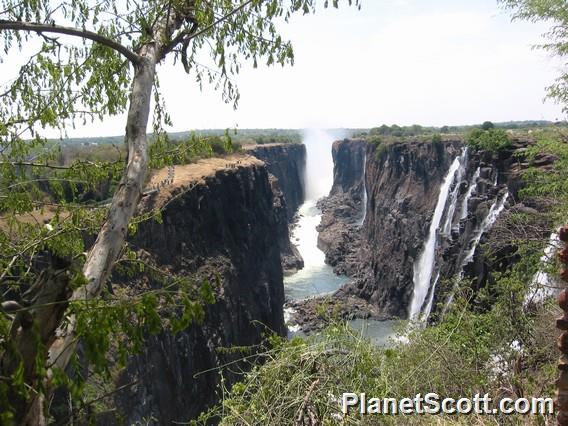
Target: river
317, 278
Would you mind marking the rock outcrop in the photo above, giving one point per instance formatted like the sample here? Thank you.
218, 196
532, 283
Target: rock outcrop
286, 163
403, 183
221, 218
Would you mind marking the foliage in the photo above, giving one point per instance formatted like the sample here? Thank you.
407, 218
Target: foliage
456, 358
554, 12
90, 60
399, 131
549, 186
487, 125
493, 140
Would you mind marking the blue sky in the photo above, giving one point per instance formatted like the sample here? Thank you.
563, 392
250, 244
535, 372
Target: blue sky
431, 62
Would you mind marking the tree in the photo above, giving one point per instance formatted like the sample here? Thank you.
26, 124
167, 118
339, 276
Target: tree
554, 12
487, 125
94, 59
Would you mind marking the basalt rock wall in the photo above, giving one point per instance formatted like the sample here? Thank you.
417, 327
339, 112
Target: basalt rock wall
403, 185
287, 162
221, 222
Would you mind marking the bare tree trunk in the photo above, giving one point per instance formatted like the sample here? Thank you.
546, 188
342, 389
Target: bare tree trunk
110, 240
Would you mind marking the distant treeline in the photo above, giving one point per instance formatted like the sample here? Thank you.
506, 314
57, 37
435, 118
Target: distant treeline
417, 130
241, 136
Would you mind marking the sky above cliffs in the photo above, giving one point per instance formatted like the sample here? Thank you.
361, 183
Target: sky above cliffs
431, 62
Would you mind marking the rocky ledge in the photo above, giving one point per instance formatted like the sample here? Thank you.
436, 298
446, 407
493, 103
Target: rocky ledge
220, 220
313, 314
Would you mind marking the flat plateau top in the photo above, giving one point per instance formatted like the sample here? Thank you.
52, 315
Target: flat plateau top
163, 182
189, 173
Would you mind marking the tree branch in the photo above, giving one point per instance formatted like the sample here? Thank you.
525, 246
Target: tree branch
221, 19
186, 36
89, 35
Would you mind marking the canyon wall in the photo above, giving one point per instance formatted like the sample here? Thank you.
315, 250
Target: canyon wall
403, 184
287, 162
221, 218
339, 231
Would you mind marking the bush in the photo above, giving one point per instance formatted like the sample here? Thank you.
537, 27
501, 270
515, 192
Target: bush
218, 146
375, 140
487, 125
436, 138
493, 140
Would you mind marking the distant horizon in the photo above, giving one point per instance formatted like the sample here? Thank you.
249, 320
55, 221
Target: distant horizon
394, 61
231, 129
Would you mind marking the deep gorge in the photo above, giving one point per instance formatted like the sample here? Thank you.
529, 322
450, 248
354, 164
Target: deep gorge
238, 219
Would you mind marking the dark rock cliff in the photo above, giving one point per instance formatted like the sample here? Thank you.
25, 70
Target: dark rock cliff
403, 184
348, 162
223, 221
287, 162
339, 230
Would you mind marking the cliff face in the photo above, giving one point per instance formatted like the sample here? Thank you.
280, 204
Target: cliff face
403, 183
348, 166
220, 217
339, 230
404, 188
287, 162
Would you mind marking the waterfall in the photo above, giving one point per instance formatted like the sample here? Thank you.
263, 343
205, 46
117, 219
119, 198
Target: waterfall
543, 285
494, 212
318, 175
428, 308
364, 198
318, 180
447, 227
424, 266
316, 277
470, 191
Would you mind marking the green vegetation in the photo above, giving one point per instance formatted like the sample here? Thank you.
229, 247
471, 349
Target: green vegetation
549, 187
492, 139
468, 352
555, 13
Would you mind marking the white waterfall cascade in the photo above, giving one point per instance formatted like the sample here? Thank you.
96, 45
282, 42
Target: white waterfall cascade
543, 284
496, 208
316, 277
424, 266
447, 227
364, 200
470, 191
428, 309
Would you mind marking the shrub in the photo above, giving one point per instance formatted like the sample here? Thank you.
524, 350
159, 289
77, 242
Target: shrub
487, 125
218, 146
375, 140
493, 140
436, 138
